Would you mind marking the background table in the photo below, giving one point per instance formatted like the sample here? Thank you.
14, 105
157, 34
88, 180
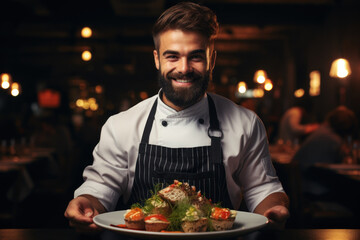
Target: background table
23, 184
347, 171
21, 175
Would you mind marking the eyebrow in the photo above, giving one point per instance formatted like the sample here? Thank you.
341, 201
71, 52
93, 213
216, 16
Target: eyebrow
170, 52
192, 52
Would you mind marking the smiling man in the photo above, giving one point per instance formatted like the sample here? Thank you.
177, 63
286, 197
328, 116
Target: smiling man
184, 68
183, 133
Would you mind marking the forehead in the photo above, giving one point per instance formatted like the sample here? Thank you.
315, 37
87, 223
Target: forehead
181, 41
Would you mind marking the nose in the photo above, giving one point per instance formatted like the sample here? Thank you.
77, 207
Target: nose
184, 66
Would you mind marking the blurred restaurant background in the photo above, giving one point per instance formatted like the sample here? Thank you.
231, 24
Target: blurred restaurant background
66, 66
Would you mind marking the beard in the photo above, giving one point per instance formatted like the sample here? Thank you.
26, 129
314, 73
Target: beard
187, 96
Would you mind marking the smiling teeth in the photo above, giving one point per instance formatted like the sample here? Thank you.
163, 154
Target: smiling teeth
182, 80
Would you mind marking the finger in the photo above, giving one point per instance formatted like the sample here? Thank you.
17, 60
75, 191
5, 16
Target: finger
78, 217
88, 213
80, 213
277, 214
272, 215
277, 217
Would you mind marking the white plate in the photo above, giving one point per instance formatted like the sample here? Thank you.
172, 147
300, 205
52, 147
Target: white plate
245, 222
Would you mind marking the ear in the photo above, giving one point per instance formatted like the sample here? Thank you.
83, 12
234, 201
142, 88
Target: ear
212, 60
156, 59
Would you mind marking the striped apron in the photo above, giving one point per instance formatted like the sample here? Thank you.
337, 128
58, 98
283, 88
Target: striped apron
201, 167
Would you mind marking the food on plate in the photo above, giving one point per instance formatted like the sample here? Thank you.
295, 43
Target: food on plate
134, 218
195, 226
222, 218
186, 217
156, 223
173, 193
194, 220
156, 205
178, 208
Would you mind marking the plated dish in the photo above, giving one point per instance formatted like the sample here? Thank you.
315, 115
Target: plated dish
245, 222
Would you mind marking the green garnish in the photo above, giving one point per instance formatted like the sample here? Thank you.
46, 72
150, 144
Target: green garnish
136, 205
155, 201
206, 209
177, 214
157, 188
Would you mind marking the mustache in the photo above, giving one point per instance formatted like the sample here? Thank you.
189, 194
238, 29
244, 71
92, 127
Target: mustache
190, 75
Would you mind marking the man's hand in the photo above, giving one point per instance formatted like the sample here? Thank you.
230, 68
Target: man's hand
277, 216
275, 208
81, 211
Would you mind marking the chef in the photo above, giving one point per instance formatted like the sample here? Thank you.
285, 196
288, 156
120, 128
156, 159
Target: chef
182, 133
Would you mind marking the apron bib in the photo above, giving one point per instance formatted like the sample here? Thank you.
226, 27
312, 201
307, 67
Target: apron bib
201, 167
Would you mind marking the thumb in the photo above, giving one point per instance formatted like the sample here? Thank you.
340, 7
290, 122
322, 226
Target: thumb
277, 213
88, 212
86, 208
277, 216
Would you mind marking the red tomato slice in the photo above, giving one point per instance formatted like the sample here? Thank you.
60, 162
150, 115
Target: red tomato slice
220, 213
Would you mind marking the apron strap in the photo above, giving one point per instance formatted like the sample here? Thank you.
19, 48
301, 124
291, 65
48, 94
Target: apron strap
215, 133
149, 122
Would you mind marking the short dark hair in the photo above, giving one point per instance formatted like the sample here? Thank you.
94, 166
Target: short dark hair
343, 121
187, 16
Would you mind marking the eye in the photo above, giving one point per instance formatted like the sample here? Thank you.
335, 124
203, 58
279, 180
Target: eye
171, 57
197, 57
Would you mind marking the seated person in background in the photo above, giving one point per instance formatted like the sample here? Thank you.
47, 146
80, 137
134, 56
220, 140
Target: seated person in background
328, 144
292, 127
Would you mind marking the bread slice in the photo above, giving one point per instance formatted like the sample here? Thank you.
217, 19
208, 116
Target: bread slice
137, 225
156, 226
154, 223
172, 194
195, 226
220, 225
160, 207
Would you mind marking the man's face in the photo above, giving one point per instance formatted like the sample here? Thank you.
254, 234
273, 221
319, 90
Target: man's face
183, 62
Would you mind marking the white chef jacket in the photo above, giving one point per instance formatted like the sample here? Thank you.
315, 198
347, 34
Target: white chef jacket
248, 167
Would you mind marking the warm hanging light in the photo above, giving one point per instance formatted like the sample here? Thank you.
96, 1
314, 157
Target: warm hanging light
258, 93
93, 104
260, 76
99, 89
340, 68
241, 87
299, 93
5, 80
315, 82
86, 55
86, 32
268, 85
80, 103
15, 89
86, 104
